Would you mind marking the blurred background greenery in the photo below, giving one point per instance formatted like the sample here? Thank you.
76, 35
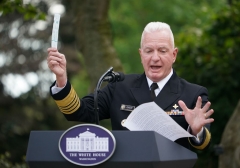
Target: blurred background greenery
95, 35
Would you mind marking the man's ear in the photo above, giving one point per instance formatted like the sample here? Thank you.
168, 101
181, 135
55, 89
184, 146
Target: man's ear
140, 53
175, 52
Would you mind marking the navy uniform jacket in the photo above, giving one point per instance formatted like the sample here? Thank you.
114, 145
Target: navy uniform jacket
133, 91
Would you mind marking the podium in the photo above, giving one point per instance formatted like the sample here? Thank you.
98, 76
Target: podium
134, 149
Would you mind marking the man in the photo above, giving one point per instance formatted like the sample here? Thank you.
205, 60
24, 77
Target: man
171, 93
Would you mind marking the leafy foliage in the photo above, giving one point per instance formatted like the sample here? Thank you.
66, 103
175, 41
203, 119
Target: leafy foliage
130, 17
22, 45
213, 60
28, 10
4, 162
210, 58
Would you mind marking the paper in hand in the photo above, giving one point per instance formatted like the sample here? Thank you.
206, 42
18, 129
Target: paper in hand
55, 29
150, 117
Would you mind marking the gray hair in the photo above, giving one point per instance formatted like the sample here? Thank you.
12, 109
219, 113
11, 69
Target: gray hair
157, 26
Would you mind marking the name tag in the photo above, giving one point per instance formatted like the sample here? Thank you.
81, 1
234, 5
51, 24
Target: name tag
127, 107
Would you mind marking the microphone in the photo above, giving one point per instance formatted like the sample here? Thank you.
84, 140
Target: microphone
109, 76
114, 77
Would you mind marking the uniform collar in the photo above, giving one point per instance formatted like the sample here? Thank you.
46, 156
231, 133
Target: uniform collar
162, 82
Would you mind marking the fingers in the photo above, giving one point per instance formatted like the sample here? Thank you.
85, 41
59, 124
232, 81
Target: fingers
54, 52
56, 61
58, 58
183, 105
54, 56
51, 49
208, 121
206, 107
52, 63
199, 102
209, 113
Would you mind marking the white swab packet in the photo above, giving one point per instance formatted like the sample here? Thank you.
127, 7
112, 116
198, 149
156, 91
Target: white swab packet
55, 29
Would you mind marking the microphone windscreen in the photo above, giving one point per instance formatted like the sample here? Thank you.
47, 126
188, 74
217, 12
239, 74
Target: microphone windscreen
121, 76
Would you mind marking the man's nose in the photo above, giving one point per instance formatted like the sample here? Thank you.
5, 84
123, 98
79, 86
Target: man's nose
155, 56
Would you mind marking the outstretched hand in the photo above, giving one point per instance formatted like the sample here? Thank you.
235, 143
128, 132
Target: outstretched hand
197, 117
57, 64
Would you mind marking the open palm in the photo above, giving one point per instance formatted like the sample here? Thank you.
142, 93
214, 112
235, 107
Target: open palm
197, 117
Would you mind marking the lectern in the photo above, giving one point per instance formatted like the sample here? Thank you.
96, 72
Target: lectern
134, 149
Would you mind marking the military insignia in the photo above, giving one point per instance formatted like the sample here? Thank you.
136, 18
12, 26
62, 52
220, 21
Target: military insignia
175, 111
175, 106
127, 107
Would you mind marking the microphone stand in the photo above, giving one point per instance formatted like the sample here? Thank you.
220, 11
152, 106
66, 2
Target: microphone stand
96, 109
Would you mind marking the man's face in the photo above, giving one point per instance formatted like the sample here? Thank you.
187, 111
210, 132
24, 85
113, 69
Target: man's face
157, 54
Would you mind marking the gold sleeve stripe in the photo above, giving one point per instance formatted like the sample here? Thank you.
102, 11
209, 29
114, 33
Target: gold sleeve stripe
74, 100
206, 141
70, 109
67, 99
70, 103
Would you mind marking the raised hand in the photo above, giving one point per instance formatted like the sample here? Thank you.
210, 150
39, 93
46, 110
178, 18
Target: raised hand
57, 64
197, 117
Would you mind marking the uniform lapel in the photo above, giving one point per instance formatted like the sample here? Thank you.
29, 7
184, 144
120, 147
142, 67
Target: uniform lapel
169, 93
141, 90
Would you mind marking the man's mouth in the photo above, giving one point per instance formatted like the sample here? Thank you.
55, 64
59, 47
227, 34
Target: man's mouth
155, 67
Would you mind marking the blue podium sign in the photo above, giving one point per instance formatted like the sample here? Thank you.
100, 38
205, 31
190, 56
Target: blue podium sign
87, 144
